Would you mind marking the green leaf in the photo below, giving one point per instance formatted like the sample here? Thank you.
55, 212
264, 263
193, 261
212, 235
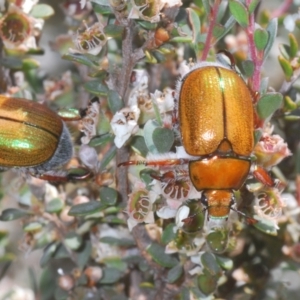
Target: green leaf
115, 103
46, 283
268, 104
225, 262
210, 264
11, 214
267, 226
252, 6
149, 128
69, 114
264, 85
261, 37
168, 234
175, 273
110, 275
102, 9
284, 51
54, 206
293, 45
61, 252
292, 118
123, 242
163, 139
83, 59
226, 28
145, 176
139, 146
218, 31
109, 155
33, 226
48, 254
30, 63
84, 254
286, 67
97, 88
42, 11
182, 39
158, 254
248, 68
87, 208
108, 195
73, 240
113, 31
101, 139
207, 283
194, 20
11, 62
206, 7
272, 31
217, 240
289, 104
239, 12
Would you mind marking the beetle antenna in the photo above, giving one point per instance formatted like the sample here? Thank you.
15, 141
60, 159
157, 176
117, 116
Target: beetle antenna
250, 220
230, 57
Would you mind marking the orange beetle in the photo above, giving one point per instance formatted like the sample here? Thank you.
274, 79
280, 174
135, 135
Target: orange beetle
216, 119
216, 123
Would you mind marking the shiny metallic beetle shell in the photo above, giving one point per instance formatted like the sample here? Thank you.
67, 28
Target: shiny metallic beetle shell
216, 123
32, 136
215, 104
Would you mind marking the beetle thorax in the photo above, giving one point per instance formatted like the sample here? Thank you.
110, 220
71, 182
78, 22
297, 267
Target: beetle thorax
218, 202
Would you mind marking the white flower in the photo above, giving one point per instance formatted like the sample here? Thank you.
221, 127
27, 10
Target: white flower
82, 3
150, 10
124, 124
164, 100
89, 41
27, 5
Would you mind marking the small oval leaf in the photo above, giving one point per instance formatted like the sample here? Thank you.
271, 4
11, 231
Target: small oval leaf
73, 240
97, 88
108, 195
115, 103
33, 226
83, 59
138, 145
286, 67
54, 206
248, 67
101, 139
163, 139
149, 128
293, 45
268, 104
239, 11
42, 11
175, 273
11, 214
261, 37
209, 262
88, 208
158, 254
207, 284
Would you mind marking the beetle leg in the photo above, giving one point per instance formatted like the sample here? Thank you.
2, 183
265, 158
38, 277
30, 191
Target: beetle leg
155, 163
60, 177
262, 175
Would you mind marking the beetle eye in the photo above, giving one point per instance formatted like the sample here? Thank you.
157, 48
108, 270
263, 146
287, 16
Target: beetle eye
204, 200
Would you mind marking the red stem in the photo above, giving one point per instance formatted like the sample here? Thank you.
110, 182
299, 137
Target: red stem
281, 9
255, 56
212, 22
